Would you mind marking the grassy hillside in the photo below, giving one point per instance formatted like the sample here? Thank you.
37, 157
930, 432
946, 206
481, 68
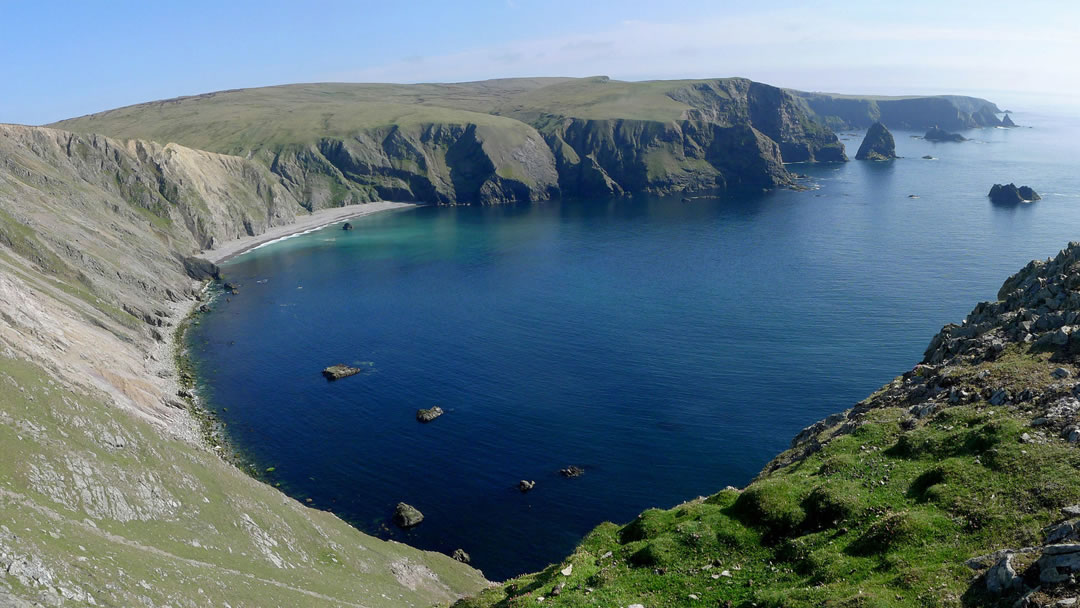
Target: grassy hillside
911, 498
108, 496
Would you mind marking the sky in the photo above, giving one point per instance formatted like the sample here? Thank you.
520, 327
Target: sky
65, 59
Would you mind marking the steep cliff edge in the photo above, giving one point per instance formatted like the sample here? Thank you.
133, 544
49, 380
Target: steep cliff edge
107, 494
956, 484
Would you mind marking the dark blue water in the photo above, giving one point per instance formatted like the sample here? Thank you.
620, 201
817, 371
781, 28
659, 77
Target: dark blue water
669, 348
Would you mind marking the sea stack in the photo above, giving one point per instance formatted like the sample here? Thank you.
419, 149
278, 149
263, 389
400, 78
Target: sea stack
407, 516
1009, 194
1007, 122
877, 145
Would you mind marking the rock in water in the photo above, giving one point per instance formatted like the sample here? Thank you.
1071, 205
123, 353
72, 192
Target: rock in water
347, 226
429, 414
525, 486
938, 134
339, 371
1007, 122
407, 516
461, 556
1009, 194
572, 471
877, 145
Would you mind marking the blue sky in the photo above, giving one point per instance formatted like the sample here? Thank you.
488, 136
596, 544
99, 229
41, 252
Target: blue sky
63, 59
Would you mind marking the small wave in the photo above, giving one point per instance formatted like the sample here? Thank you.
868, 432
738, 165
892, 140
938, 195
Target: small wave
289, 236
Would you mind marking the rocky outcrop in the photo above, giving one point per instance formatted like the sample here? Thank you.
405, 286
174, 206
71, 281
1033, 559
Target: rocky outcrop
1007, 122
572, 471
526, 485
1009, 194
939, 134
878, 144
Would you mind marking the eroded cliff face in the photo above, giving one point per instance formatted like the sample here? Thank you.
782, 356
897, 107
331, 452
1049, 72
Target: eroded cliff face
107, 494
434, 163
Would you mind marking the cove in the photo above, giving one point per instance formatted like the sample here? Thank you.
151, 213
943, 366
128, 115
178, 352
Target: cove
668, 347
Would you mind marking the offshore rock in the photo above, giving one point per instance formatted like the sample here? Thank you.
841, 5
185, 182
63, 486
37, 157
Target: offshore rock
877, 145
337, 372
407, 516
1009, 194
572, 471
938, 134
347, 226
429, 414
1007, 122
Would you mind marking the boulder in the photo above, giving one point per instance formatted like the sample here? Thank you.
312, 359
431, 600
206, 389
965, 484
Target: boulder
200, 269
877, 145
407, 516
339, 371
461, 556
938, 134
1010, 194
572, 471
347, 226
1002, 577
525, 486
429, 414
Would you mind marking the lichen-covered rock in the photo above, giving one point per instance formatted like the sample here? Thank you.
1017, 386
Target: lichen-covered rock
877, 145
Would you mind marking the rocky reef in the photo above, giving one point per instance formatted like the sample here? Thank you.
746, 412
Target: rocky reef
878, 144
1009, 194
939, 134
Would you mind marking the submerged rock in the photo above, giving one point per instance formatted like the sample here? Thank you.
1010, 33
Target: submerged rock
572, 471
429, 414
407, 516
525, 486
1008, 194
877, 145
928, 157
339, 371
938, 134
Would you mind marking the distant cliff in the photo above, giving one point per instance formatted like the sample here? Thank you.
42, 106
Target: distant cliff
914, 113
495, 141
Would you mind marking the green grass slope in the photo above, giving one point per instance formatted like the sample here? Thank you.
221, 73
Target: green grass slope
885, 504
108, 496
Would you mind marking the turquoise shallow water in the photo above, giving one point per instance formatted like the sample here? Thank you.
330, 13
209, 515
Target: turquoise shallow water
670, 348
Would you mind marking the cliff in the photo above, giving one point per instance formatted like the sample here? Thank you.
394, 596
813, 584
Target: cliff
910, 113
109, 495
493, 141
878, 144
956, 484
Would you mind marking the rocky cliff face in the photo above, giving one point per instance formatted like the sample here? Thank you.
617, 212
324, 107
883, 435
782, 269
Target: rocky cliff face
435, 163
107, 494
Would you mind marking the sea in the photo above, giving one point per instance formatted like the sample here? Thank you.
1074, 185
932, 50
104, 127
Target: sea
669, 347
